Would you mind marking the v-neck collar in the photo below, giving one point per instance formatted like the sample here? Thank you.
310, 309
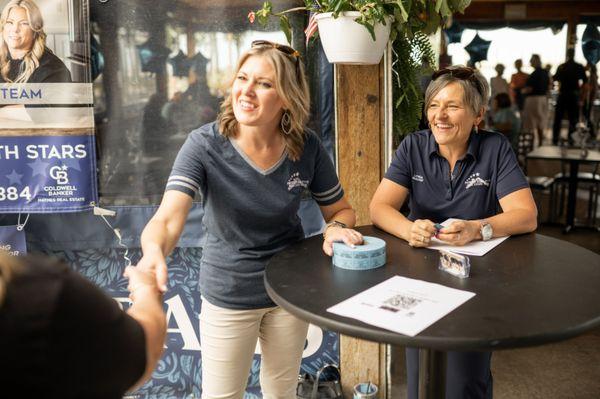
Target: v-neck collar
253, 165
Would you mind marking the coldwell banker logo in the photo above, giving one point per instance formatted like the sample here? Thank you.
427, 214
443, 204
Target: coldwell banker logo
59, 173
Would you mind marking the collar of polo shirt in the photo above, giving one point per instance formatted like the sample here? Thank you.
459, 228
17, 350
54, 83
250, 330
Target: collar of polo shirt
472, 149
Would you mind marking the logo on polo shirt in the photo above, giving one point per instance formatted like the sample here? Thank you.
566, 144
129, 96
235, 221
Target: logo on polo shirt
295, 181
475, 180
418, 178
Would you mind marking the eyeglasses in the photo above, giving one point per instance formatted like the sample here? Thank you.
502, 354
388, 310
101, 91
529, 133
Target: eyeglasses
462, 73
287, 50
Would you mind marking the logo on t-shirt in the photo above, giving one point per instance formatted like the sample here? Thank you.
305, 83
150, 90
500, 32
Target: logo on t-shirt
295, 181
418, 178
475, 180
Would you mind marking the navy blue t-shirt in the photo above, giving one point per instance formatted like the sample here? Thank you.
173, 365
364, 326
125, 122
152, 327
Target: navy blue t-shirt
250, 214
487, 172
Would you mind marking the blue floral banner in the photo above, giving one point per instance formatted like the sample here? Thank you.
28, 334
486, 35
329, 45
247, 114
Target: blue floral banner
12, 240
46, 174
178, 374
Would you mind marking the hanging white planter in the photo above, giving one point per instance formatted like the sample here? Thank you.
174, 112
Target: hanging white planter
348, 42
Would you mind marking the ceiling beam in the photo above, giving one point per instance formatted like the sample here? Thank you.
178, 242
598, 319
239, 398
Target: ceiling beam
561, 10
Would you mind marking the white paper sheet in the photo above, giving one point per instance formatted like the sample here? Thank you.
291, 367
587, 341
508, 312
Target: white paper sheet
406, 306
474, 248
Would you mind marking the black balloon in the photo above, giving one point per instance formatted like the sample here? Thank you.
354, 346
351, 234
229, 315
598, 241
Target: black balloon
454, 32
590, 44
153, 56
478, 49
181, 64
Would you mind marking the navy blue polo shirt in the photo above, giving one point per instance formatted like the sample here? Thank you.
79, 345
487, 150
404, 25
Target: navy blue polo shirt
488, 171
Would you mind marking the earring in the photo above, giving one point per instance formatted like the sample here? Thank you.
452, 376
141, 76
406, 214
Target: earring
475, 129
286, 123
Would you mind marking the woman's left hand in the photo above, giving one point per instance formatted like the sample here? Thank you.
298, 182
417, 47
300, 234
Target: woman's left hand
349, 237
460, 232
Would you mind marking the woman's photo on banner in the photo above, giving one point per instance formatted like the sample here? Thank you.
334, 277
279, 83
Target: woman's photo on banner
47, 143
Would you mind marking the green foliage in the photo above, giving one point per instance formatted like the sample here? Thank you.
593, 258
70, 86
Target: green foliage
412, 21
409, 56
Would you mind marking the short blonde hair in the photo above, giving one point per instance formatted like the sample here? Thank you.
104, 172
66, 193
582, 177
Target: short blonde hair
292, 88
33, 56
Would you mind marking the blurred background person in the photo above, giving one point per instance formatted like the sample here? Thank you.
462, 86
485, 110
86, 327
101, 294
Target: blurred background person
505, 120
589, 93
570, 77
517, 82
62, 337
535, 109
173, 110
498, 84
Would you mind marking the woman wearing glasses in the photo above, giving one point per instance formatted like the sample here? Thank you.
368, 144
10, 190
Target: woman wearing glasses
454, 170
251, 167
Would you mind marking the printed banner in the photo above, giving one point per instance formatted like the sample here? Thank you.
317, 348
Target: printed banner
41, 174
12, 240
47, 146
179, 372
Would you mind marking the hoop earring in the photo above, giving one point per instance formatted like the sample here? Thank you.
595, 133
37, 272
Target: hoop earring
286, 123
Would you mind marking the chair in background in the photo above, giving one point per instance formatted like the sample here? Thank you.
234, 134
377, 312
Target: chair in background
541, 186
525, 146
589, 181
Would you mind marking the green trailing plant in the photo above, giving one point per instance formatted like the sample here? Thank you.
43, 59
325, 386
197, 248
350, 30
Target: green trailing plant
412, 21
409, 57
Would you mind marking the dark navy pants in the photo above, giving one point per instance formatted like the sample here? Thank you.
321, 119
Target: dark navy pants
468, 374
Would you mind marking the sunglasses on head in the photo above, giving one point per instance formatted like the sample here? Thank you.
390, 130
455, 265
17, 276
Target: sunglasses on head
281, 47
287, 50
462, 73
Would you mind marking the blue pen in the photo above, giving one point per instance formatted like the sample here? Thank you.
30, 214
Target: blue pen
438, 227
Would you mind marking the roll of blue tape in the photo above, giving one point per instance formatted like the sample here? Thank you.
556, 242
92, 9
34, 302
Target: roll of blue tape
370, 255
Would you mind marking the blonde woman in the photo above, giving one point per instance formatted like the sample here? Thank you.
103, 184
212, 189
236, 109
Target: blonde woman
251, 167
24, 57
62, 337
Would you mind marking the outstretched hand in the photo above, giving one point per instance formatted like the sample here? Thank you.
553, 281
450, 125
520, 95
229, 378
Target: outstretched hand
155, 264
140, 282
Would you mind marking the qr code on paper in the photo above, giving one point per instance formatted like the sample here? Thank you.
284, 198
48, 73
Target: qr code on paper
399, 302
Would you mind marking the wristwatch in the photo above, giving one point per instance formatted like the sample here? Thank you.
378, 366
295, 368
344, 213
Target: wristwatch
333, 223
486, 230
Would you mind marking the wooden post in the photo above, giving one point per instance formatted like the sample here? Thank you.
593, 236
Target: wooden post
191, 40
359, 133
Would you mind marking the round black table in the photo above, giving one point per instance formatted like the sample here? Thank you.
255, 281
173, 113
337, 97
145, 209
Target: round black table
530, 290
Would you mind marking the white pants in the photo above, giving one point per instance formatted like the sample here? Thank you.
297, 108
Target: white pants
228, 339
